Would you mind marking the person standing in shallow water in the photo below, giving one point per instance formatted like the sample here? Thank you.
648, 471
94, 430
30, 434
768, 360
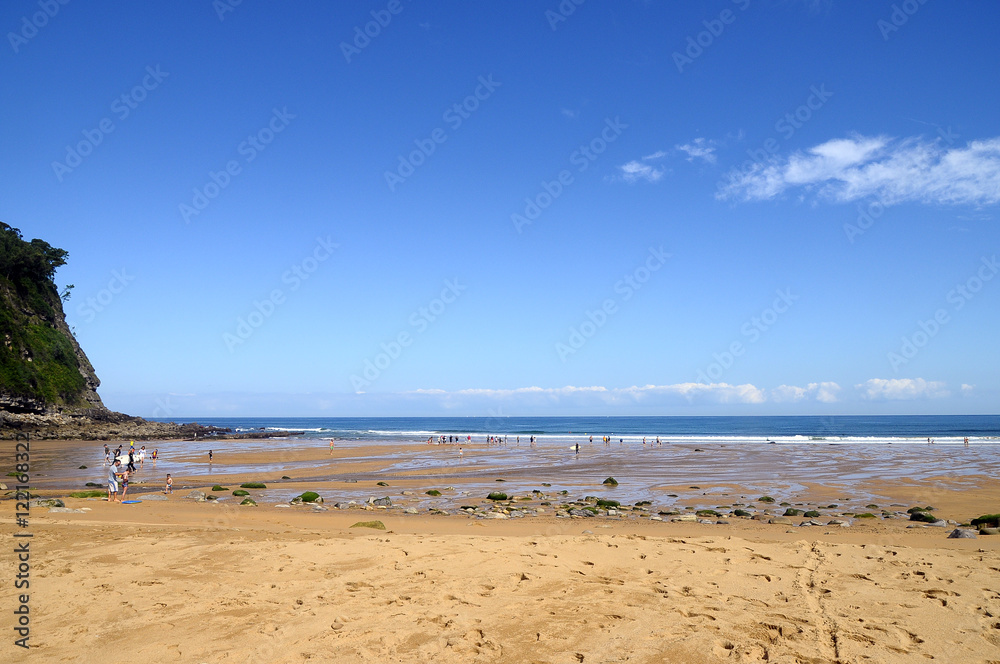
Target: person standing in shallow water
210, 456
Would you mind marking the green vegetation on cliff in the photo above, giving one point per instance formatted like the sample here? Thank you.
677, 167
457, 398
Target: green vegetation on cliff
39, 360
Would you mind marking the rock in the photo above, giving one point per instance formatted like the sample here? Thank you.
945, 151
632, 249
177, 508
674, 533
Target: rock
151, 496
384, 502
406, 493
940, 523
3, 487
958, 533
377, 525
656, 518
282, 505
197, 495
781, 520
722, 522
342, 506
685, 517
989, 531
707, 522
249, 502
612, 512
46, 502
495, 515
411, 510
73, 511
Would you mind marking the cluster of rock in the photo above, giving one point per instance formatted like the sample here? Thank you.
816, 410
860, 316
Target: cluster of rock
98, 424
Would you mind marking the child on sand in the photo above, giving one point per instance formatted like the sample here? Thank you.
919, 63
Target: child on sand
169, 488
124, 484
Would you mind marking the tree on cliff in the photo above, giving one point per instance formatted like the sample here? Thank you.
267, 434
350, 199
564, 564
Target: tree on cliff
41, 365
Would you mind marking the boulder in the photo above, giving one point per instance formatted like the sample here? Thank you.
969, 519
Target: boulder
384, 502
46, 502
780, 520
197, 495
989, 531
960, 533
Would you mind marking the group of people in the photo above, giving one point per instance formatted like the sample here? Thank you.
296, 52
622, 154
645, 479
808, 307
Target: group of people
118, 474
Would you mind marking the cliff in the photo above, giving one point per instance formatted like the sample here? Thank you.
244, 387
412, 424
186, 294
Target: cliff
48, 387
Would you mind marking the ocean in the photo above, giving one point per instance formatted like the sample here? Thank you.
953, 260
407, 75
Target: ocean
845, 429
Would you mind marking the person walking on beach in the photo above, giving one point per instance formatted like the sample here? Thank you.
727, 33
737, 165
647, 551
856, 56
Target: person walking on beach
169, 488
131, 460
210, 456
156, 454
107, 453
142, 457
113, 480
331, 447
966, 441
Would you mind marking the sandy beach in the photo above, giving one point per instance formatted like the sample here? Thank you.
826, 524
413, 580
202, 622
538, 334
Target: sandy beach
187, 581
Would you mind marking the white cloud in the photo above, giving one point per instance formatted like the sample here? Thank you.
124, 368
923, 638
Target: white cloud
569, 113
699, 148
891, 171
635, 170
822, 392
659, 154
896, 389
717, 393
967, 389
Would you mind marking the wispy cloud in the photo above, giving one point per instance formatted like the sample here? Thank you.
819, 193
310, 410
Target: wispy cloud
897, 389
635, 170
699, 148
692, 393
569, 113
892, 171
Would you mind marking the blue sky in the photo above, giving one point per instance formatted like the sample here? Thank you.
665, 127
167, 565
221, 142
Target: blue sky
480, 208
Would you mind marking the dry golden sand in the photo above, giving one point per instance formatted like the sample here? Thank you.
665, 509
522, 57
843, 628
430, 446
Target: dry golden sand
179, 581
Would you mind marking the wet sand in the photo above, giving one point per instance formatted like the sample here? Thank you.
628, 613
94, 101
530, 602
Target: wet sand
216, 582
